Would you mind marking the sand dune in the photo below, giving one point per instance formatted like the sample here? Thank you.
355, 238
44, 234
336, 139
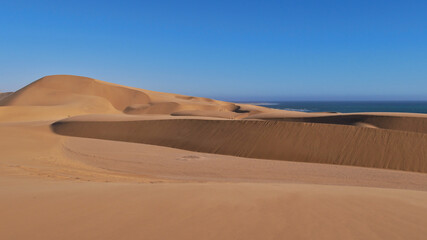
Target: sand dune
62, 89
303, 142
87, 159
157, 162
65, 89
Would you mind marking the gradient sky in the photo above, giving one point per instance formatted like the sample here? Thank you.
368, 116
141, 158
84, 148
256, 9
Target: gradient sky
231, 50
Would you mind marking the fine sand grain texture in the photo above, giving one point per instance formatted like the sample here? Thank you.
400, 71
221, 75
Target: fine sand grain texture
87, 159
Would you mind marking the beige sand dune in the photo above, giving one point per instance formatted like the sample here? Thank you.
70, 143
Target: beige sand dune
65, 90
86, 159
303, 142
171, 164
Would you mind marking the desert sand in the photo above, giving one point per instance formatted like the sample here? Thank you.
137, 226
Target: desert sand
86, 159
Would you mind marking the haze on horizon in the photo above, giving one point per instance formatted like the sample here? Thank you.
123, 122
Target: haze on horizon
239, 50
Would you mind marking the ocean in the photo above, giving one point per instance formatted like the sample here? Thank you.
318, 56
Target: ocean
350, 107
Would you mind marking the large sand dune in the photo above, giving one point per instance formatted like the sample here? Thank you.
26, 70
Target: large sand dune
68, 90
86, 159
304, 142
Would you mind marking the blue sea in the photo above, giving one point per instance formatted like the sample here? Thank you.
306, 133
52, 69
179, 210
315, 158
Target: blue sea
350, 107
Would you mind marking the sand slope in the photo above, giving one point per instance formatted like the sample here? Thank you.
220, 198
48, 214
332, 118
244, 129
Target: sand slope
70, 210
171, 164
305, 142
45, 194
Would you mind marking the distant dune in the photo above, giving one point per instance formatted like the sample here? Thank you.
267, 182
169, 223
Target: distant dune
87, 159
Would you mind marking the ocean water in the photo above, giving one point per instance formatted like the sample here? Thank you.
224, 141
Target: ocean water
350, 107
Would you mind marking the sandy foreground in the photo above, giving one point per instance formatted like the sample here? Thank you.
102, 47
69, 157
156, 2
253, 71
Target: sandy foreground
86, 159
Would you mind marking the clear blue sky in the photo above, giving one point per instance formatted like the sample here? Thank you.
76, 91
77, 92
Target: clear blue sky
232, 50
